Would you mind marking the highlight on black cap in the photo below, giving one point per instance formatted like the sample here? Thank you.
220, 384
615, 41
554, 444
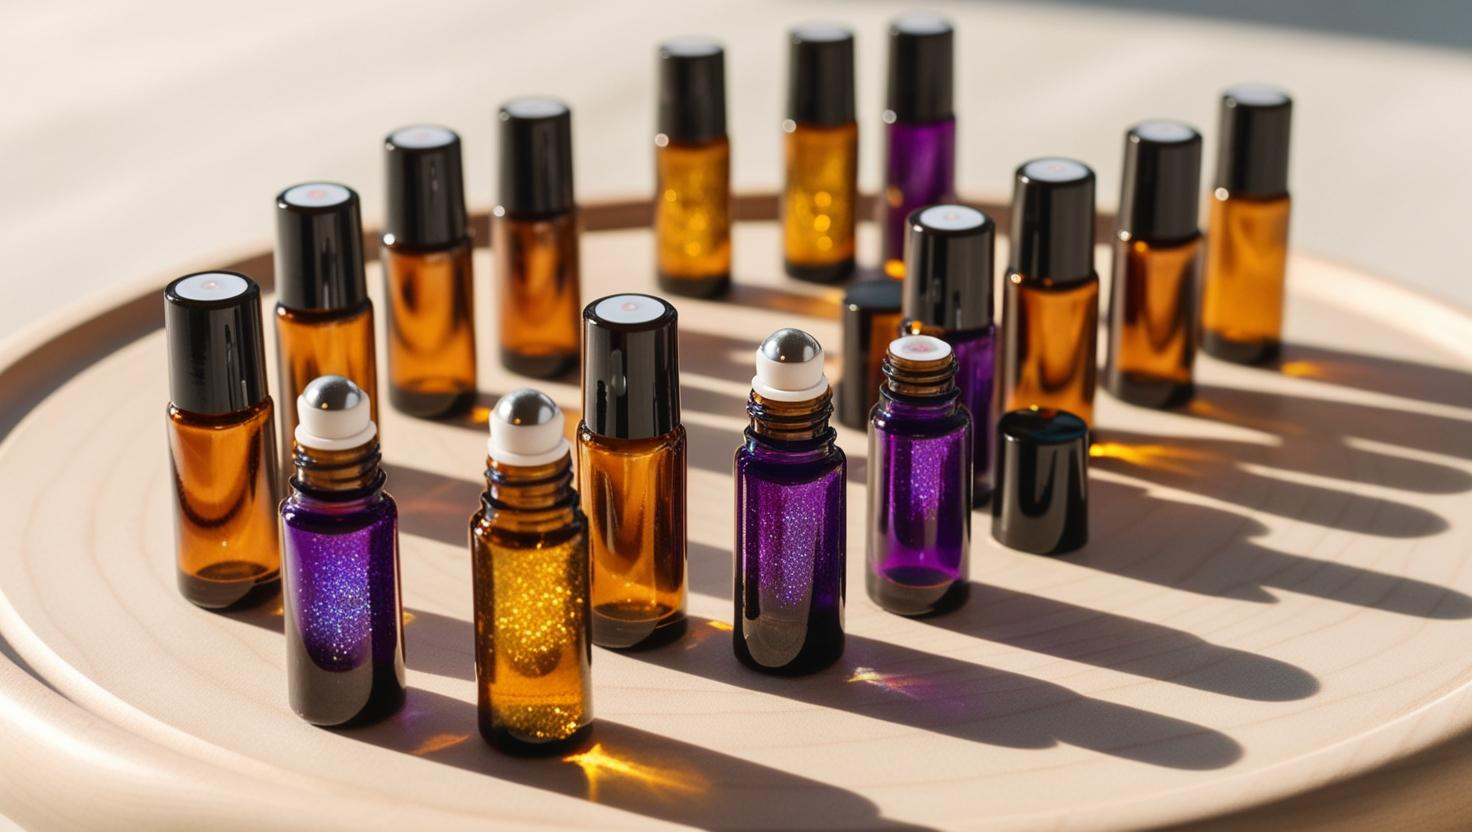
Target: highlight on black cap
921, 69
869, 320
1252, 159
692, 89
948, 267
631, 366
1160, 190
536, 156
217, 355
1053, 220
820, 80
426, 190
1041, 502
319, 248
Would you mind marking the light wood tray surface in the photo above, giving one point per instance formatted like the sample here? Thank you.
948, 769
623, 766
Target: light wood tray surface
1277, 595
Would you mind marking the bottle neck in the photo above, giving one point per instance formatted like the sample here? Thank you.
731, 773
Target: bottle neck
790, 427
343, 476
532, 498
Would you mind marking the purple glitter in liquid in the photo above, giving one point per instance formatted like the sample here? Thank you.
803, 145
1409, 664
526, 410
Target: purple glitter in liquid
344, 636
919, 504
790, 553
919, 170
975, 376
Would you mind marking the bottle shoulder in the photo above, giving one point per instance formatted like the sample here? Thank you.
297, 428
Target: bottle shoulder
291, 318
303, 511
259, 413
588, 441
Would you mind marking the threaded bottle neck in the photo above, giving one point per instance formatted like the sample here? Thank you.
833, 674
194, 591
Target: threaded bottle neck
529, 498
338, 475
919, 378
790, 421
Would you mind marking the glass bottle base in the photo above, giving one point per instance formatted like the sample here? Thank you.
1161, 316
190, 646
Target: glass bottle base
430, 405
1146, 391
508, 743
915, 591
1239, 352
622, 626
538, 366
231, 584
819, 651
385, 697
695, 287
824, 273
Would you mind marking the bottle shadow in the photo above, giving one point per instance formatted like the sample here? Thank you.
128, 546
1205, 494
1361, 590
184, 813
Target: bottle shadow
1207, 551
966, 701
431, 505
629, 769
1377, 374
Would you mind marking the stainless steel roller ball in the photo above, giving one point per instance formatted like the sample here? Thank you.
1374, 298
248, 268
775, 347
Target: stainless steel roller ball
791, 346
332, 393
526, 407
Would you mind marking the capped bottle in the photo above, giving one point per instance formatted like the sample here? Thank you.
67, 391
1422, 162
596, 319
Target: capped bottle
632, 470
920, 456
428, 283
529, 562
222, 442
821, 196
343, 605
692, 162
790, 514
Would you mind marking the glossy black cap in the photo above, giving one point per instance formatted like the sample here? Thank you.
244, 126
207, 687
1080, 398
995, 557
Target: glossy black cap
692, 89
1162, 180
1252, 158
1053, 220
631, 367
820, 74
1041, 502
536, 156
217, 355
426, 189
870, 320
921, 69
949, 266
319, 248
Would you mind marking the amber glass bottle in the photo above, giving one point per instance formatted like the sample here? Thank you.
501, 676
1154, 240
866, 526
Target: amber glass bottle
1152, 309
529, 559
692, 162
1247, 240
222, 443
324, 319
821, 196
1050, 301
427, 274
535, 239
631, 470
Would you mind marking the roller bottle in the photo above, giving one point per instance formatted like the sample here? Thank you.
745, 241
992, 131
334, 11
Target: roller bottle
692, 162
820, 199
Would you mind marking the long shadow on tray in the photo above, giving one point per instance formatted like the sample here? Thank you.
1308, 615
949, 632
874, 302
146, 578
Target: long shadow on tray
1378, 374
633, 770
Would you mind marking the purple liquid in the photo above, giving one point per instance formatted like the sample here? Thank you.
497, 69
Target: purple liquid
790, 553
919, 170
919, 504
344, 636
975, 377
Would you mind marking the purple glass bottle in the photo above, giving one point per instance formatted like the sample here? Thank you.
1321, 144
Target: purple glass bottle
919, 482
948, 294
344, 637
790, 514
919, 129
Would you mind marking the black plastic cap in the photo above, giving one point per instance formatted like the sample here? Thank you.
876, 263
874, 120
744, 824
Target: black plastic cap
692, 90
921, 69
631, 366
1053, 220
820, 74
426, 189
1041, 502
217, 355
536, 156
319, 248
949, 266
1160, 193
870, 320
1252, 159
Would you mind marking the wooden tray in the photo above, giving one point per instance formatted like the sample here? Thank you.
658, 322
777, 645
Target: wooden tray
1277, 596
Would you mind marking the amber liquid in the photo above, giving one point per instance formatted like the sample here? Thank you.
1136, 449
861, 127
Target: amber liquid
1152, 312
819, 201
1048, 344
1242, 293
431, 329
541, 306
313, 344
529, 563
225, 492
692, 218
633, 493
